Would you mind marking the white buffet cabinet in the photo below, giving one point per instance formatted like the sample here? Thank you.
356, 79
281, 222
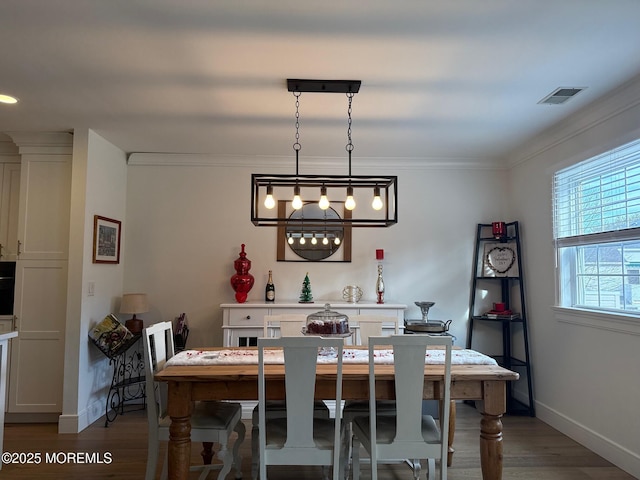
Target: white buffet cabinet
243, 323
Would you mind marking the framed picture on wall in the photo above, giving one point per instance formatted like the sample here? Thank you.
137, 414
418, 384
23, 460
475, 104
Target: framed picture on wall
315, 239
106, 240
500, 260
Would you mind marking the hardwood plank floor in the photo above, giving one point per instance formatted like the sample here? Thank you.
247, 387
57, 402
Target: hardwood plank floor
532, 450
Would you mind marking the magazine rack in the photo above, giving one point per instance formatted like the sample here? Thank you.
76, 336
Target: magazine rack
124, 351
127, 383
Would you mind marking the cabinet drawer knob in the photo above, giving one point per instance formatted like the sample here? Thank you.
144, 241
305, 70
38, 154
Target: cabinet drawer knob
248, 317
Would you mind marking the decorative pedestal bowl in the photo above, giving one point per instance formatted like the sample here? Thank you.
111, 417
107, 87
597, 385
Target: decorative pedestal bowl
424, 307
426, 326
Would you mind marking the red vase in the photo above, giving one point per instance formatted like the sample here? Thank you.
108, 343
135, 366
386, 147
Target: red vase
242, 281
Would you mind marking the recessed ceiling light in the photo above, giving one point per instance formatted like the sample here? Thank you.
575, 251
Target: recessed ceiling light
8, 99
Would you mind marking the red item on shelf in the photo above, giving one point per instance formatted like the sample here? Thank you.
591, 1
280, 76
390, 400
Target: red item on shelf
499, 229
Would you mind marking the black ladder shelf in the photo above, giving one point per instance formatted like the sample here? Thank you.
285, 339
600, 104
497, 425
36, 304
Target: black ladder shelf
497, 271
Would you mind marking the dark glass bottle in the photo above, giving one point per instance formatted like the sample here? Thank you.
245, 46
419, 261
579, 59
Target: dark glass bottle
270, 289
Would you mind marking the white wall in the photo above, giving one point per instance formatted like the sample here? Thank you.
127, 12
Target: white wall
98, 188
185, 225
586, 378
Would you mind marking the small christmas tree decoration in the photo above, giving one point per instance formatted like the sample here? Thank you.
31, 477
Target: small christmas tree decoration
305, 294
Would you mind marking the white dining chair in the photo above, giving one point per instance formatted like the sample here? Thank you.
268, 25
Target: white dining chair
210, 421
408, 433
284, 325
365, 326
300, 438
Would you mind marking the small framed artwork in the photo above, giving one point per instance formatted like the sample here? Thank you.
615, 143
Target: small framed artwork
500, 260
106, 240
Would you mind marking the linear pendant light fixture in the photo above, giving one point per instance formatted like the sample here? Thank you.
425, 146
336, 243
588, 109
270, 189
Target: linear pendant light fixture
364, 200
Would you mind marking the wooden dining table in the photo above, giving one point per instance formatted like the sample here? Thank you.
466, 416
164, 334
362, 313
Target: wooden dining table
187, 383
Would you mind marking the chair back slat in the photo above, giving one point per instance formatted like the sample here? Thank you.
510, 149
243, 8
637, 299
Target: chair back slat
300, 377
409, 364
158, 347
409, 378
300, 365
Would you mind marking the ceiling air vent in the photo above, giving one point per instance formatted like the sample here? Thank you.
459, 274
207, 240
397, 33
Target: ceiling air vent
561, 95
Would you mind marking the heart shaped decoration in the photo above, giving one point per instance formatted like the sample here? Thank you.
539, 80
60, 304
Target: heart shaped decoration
500, 259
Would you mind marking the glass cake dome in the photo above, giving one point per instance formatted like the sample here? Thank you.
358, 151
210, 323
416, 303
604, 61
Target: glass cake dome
327, 323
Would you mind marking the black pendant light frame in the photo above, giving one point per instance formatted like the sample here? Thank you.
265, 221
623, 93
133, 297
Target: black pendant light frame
261, 184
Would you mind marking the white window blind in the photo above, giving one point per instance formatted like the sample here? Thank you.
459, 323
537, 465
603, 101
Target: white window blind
596, 211
598, 200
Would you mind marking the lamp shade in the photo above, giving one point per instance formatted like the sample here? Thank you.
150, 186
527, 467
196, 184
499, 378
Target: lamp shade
134, 303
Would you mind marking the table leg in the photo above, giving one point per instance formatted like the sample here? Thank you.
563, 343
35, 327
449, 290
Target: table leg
179, 448
491, 446
492, 408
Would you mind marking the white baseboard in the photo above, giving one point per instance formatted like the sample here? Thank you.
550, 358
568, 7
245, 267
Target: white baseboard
31, 417
69, 423
75, 423
618, 455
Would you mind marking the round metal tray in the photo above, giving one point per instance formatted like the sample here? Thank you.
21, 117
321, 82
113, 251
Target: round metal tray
427, 327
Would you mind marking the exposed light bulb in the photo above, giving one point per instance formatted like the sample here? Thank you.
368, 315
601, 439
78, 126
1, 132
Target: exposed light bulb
302, 240
314, 240
350, 203
377, 201
290, 240
336, 241
324, 201
269, 201
8, 99
325, 241
297, 201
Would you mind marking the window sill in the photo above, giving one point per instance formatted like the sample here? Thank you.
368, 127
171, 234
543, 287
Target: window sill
613, 322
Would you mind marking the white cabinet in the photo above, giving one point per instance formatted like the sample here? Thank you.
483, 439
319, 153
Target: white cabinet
243, 323
37, 354
9, 201
45, 202
6, 324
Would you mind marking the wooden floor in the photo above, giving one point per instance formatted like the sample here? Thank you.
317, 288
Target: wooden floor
532, 450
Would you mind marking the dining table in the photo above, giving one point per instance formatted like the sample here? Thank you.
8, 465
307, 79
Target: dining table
232, 374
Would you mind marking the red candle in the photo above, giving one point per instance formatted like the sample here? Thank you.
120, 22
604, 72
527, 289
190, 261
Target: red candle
379, 254
499, 229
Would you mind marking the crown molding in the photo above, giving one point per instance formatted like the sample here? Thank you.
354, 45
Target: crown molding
311, 164
51, 143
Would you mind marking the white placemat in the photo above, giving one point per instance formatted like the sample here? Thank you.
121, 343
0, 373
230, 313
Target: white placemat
350, 355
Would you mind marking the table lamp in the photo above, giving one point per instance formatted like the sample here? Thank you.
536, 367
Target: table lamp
134, 303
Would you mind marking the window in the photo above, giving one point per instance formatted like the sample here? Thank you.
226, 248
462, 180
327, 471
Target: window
597, 231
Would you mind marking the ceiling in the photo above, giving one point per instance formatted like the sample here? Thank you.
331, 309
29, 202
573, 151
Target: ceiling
440, 79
